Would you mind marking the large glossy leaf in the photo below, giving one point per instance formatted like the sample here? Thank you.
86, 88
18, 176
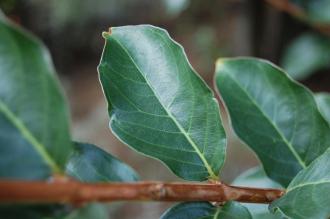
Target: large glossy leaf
323, 102
204, 210
157, 103
88, 163
308, 195
34, 134
300, 64
277, 117
256, 177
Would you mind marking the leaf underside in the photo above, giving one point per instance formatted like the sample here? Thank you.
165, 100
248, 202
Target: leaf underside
158, 105
275, 116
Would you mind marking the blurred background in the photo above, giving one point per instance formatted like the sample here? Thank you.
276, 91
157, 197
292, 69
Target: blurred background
293, 34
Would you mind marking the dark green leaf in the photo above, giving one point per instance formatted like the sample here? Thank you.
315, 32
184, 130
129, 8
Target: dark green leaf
158, 104
277, 117
300, 64
323, 102
204, 210
308, 194
88, 163
34, 136
256, 177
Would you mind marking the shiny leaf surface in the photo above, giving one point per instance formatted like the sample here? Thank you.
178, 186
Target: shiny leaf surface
300, 64
323, 102
308, 194
88, 163
34, 133
204, 210
158, 105
277, 117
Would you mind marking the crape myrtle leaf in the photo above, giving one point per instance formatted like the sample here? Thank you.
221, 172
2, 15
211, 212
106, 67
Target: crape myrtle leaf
34, 130
158, 105
323, 102
274, 115
316, 11
256, 177
300, 64
89, 163
308, 195
204, 210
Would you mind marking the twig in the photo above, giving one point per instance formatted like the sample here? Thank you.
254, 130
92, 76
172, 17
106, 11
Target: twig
290, 8
74, 192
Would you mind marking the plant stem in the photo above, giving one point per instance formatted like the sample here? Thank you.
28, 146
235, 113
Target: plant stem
69, 191
296, 11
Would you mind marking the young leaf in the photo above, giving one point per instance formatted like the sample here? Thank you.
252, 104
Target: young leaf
158, 104
34, 136
277, 117
300, 64
88, 163
204, 210
256, 177
308, 194
323, 102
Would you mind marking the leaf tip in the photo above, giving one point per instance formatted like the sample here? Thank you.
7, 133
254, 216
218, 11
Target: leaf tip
105, 34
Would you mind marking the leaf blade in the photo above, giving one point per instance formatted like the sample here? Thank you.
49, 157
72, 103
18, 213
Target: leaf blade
299, 201
161, 118
30, 99
275, 116
323, 102
88, 163
204, 210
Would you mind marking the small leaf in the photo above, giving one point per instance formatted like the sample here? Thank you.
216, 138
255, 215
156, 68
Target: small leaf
323, 102
34, 130
308, 194
88, 163
300, 64
256, 177
204, 210
275, 116
158, 105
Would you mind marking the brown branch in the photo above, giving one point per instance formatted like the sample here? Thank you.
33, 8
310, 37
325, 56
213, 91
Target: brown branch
74, 192
290, 8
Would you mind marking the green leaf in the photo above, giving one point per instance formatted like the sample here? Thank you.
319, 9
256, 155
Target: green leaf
94, 210
256, 177
317, 11
274, 115
158, 105
204, 210
323, 102
301, 64
88, 163
308, 194
34, 131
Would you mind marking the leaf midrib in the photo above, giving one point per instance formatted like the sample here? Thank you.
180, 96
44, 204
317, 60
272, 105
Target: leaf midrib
19, 125
291, 148
199, 153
